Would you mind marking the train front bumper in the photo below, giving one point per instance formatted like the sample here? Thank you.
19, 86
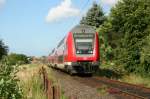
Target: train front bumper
83, 67
85, 63
97, 63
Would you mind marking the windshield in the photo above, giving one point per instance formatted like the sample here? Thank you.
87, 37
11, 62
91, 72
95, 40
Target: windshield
84, 43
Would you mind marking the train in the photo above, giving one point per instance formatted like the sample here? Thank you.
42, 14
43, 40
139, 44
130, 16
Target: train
78, 52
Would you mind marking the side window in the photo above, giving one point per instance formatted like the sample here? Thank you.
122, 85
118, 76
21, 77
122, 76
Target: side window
66, 46
55, 52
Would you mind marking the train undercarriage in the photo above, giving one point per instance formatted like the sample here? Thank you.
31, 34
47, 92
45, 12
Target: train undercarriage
77, 67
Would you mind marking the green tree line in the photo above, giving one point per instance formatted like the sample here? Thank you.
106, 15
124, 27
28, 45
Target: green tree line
9, 87
124, 34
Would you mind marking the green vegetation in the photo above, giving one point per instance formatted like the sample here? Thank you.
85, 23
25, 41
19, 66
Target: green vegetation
94, 16
130, 20
124, 35
136, 79
124, 40
33, 85
124, 46
9, 88
3, 49
62, 95
32, 82
37, 88
17, 59
103, 89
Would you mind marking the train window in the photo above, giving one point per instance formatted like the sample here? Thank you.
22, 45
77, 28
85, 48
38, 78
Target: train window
84, 43
65, 46
56, 53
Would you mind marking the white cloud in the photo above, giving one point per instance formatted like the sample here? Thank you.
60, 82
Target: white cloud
64, 10
109, 3
2, 2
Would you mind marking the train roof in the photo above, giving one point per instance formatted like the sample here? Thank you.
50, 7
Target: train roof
83, 29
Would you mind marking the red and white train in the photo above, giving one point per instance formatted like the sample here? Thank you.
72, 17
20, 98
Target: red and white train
77, 52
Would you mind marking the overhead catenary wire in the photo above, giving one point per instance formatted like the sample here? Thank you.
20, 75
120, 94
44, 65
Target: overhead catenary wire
82, 12
75, 19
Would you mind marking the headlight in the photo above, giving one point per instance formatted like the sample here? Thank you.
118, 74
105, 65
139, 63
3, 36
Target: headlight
77, 52
91, 52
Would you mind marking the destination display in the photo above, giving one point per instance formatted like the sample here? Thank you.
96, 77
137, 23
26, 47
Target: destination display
79, 35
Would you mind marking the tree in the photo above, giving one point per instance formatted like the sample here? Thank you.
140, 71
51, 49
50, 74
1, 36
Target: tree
105, 48
145, 57
94, 17
3, 49
130, 22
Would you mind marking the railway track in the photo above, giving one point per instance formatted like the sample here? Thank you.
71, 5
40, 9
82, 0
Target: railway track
128, 89
119, 89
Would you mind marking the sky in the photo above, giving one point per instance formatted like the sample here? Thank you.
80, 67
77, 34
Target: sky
35, 27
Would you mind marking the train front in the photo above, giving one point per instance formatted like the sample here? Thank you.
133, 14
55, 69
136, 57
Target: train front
85, 50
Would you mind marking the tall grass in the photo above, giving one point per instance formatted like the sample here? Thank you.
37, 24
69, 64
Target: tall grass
136, 79
113, 71
33, 88
31, 82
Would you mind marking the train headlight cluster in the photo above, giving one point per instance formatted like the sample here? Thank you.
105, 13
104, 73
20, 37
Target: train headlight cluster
84, 52
78, 52
91, 52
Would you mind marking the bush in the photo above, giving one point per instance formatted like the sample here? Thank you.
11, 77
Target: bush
9, 88
145, 57
3, 49
106, 53
17, 59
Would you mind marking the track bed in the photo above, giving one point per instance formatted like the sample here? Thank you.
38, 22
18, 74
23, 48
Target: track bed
84, 87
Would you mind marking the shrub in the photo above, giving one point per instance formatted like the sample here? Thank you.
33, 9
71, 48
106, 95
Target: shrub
17, 59
3, 49
9, 88
145, 57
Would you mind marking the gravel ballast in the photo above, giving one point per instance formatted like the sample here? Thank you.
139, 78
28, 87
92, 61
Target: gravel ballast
76, 89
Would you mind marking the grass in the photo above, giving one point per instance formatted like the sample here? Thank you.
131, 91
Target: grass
104, 72
110, 70
33, 88
62, 95
103, 90
136, 79
31, 82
